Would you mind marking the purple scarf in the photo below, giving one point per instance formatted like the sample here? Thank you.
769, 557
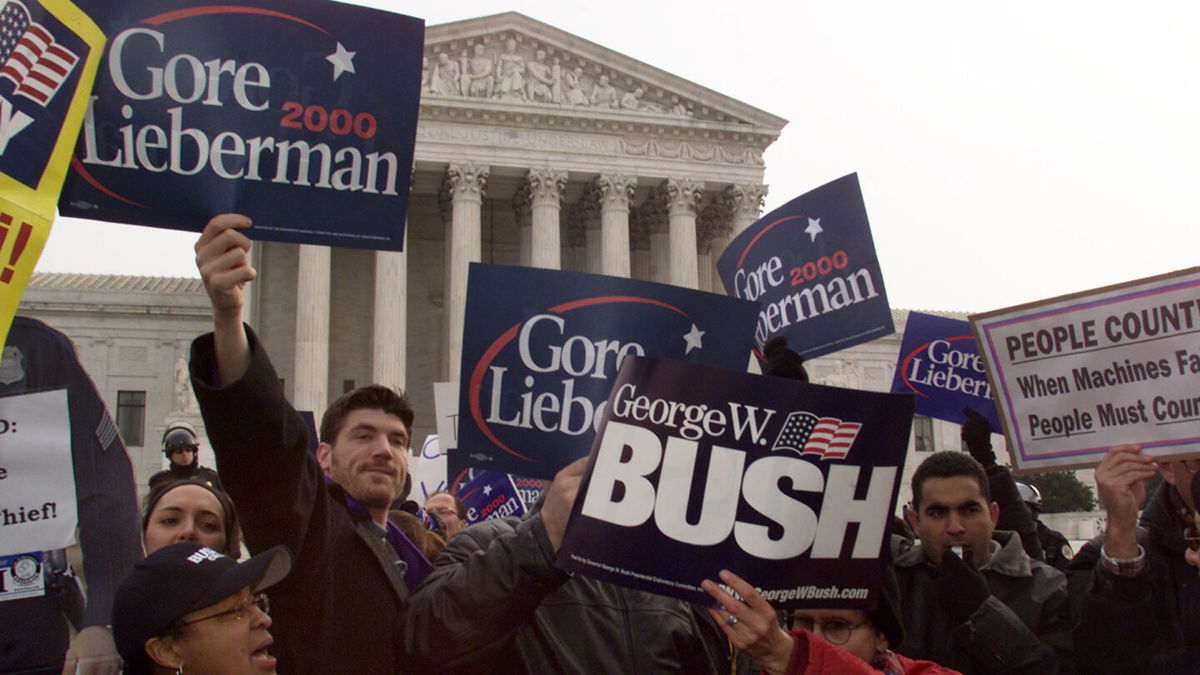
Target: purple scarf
417, 565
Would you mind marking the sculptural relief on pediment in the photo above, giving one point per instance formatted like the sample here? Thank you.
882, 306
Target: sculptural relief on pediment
510, 66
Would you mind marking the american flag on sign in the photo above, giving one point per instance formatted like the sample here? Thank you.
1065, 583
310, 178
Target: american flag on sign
29, 55
808, 434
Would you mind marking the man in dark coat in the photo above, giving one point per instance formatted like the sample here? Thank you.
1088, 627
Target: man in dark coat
340, 608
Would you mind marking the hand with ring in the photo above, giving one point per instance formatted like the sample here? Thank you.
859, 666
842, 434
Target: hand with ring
751, 625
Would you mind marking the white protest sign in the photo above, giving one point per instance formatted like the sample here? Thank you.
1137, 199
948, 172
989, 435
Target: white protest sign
445, 404
37, 475
1078, 374
430, 474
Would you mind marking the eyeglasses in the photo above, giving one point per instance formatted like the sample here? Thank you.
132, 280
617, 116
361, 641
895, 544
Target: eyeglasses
835, 630
239, 611
1191, 536
185, 448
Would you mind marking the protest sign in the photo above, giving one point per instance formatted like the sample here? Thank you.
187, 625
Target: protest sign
1077, 374
49, 52
811, 266
540, 348
697, 469
429, 475
37, 475
301, 115
490, 495
940, 363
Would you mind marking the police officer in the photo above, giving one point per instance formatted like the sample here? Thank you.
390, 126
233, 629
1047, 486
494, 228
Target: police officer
182, 448
1055, 547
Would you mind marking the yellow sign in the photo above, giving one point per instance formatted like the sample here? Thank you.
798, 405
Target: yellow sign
49, 53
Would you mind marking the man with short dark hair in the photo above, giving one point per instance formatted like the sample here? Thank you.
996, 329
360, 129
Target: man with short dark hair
340, 608
972, 599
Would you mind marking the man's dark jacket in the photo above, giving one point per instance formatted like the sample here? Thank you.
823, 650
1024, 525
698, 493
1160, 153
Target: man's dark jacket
1022, 627
495, 603
1149, 623
341, 606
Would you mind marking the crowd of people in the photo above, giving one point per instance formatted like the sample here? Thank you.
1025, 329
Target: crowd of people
348, 575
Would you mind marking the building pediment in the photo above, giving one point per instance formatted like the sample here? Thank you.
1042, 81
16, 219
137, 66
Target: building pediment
512, 65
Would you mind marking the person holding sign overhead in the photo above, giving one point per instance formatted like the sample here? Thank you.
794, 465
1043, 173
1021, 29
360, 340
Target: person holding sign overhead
354, 570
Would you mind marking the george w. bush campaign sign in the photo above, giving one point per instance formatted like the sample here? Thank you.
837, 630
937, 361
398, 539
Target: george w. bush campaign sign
301, 115
940, 364
811, 266
540, 349
696, 469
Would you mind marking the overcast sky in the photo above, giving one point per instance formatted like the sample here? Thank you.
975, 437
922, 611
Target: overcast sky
1007, 151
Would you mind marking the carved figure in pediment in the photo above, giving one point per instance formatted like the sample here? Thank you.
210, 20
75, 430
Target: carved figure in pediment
541, 79
446, 74
479, 75
633, 101
604, 95
425, 75
680, 108
511, 68
573, 86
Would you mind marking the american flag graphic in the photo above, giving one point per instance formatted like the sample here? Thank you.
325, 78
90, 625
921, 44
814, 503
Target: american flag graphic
808, 434
29, 55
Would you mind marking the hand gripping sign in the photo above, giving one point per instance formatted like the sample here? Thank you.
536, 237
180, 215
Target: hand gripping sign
696, 469
301, 115
1077, 374
939, 362
540, 348
811, 266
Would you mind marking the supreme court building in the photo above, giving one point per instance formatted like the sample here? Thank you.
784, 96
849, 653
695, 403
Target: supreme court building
534, 147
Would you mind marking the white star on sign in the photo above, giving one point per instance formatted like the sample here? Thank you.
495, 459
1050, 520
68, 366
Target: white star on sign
814, 228
692, 338
487, 490
342, 60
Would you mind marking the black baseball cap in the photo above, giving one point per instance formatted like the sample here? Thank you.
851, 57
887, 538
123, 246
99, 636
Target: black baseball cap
176, 580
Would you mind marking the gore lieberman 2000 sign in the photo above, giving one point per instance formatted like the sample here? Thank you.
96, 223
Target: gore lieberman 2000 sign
301, 115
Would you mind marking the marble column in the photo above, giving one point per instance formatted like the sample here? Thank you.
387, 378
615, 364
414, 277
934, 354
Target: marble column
653, 215
614, 192
586, 213
576, 237
310, 387
683, 195
716, 230
391, 317
523, 212
745, 202
544, 189
639, 247
466, 183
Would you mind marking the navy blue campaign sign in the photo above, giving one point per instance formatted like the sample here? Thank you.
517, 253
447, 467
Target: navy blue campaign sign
540, 348
811, 266
490, 495
298, 113
696, 469
940, 363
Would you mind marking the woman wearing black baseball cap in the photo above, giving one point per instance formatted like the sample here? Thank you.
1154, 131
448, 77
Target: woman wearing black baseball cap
189, 609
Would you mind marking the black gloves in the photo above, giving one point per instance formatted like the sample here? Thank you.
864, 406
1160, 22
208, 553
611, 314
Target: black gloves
977, 434
960, 588
783, 362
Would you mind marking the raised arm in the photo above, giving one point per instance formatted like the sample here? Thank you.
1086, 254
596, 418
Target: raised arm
223, 258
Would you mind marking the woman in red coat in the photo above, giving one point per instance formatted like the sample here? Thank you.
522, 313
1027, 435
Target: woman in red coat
829, 641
